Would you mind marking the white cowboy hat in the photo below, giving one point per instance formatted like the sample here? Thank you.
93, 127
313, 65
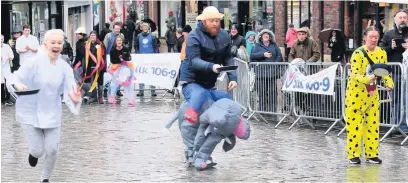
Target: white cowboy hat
80, 30
210, 12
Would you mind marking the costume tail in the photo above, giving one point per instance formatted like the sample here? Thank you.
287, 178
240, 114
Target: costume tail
173, 119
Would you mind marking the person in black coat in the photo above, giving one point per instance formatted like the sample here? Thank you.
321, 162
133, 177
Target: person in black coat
237, 41
336, 43
104, 32
129, 28
180, 40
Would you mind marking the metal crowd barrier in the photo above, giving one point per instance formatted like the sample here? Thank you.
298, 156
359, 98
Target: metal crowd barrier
241, 93
391, 103
265, 90
320, 107
405, 82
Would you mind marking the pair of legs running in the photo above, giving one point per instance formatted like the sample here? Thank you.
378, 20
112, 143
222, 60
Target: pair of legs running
40, 142
196, 97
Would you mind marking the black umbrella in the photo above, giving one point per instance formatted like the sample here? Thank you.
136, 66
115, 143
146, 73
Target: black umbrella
152, 24
325, 34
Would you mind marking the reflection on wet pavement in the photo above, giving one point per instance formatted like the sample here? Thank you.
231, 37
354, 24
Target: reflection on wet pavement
131, 144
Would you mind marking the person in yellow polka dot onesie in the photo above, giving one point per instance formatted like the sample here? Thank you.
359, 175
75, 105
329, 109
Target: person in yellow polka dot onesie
362, 106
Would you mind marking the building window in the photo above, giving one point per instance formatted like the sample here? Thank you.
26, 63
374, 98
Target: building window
40, 20
293, 13
305, 14
262, 15
20, 16
299, 13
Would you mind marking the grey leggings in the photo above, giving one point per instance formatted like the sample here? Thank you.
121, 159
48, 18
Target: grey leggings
42, 141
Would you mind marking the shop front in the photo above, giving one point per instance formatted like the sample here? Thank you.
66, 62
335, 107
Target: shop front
40, 15
235, 11
262, 15
77, 14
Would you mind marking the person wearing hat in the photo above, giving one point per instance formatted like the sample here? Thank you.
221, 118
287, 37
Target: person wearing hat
237, 41
12, 42
171, 20
304, 47
171, 38
207, 48
80, 45
186, 31
27, 45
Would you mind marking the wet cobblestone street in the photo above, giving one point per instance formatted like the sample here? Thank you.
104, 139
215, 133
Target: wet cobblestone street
118, 144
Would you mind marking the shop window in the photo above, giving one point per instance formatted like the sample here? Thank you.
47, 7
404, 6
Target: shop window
348, 19
263, 15
40, 20
191, 12
293, 13
230, 9
20, 16
74, 21
305, 18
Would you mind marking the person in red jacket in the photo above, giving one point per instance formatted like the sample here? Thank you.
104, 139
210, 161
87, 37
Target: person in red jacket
291, 37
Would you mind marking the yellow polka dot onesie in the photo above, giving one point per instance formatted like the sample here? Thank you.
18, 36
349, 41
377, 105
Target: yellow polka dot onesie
362, 110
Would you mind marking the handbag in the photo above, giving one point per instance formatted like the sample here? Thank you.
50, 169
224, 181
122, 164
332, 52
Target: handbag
373, 85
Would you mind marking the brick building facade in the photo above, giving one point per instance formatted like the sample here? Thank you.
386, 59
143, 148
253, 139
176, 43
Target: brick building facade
330, 19
351, 17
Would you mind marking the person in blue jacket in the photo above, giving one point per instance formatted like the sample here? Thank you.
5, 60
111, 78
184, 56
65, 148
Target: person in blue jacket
146, 43
250, 41
208, 47
266, 50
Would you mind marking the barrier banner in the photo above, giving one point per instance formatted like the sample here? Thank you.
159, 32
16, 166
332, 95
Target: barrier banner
319, 83
157, 69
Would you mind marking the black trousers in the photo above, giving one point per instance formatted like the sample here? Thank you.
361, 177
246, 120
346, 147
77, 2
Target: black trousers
287, 50
5, 95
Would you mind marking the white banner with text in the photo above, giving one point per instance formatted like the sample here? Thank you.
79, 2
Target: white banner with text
319, 83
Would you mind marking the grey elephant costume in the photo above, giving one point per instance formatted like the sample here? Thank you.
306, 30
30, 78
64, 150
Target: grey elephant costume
218, 120
187, 129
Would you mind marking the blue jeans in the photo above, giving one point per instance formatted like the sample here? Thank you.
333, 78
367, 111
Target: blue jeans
196, 95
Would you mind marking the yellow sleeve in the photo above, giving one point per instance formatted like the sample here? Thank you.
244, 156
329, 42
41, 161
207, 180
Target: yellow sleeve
358, 68
388, 82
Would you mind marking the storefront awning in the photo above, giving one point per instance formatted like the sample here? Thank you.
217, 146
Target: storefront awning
390, 1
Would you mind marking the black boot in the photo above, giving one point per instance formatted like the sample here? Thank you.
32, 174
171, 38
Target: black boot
119, 94
32, 160
45, 180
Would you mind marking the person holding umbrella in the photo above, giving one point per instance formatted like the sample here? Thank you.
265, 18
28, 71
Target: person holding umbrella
336, 43
335, 39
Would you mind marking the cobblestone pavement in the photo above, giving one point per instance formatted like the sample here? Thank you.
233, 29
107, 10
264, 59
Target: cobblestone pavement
107, 144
